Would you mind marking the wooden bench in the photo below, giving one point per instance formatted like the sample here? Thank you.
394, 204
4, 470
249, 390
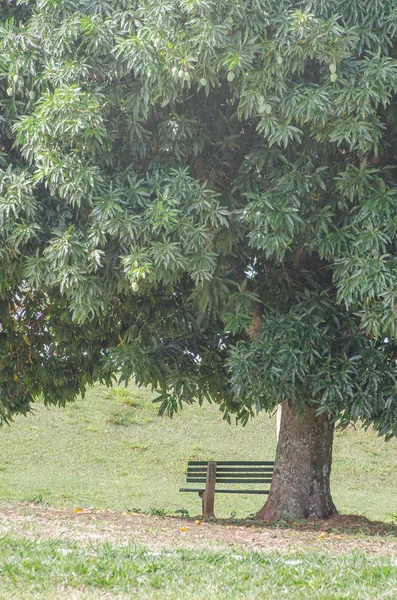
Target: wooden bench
211, 474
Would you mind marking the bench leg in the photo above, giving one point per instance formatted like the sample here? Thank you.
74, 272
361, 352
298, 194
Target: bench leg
201, 494
209, 494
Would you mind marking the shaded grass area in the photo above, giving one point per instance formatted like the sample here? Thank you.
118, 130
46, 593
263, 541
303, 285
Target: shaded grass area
58, 568
353, 525
111, 450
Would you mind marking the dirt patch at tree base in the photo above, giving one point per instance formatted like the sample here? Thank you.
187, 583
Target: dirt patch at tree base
340, 533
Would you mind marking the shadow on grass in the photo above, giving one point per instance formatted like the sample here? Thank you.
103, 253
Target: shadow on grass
346, 524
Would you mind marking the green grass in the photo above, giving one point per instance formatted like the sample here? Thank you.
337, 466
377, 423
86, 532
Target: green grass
111, 450
62, 569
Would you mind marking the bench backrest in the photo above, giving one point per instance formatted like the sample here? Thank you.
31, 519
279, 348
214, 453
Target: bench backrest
231, 471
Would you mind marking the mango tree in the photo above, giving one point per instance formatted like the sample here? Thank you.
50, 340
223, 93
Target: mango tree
201, 195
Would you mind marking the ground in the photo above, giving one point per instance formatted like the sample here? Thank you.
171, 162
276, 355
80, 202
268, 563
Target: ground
339, 534
110, 451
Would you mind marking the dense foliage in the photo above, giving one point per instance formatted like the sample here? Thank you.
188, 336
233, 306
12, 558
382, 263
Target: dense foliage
202, 194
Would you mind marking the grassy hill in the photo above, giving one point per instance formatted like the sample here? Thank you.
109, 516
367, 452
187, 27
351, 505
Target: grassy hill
111, 450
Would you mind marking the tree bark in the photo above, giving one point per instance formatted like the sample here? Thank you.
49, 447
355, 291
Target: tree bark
300, 486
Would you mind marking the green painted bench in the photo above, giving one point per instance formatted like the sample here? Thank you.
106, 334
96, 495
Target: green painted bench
212, 474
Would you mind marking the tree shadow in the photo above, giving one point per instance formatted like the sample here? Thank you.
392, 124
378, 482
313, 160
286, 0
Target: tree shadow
344, 524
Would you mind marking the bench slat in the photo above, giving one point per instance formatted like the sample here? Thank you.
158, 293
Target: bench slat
256, 480
229, 470
233, 469
217, 491
243, 475
259, 478
249, 463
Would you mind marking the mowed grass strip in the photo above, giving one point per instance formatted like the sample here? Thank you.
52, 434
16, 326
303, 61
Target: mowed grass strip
111, 450
57, 569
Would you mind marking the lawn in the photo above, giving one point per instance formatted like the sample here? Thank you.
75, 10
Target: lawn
64, 569
111, 450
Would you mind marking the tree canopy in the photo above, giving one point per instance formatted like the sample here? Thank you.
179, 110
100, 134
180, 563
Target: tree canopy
201, 195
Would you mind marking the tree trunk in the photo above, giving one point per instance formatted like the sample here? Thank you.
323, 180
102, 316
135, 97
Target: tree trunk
300, 487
